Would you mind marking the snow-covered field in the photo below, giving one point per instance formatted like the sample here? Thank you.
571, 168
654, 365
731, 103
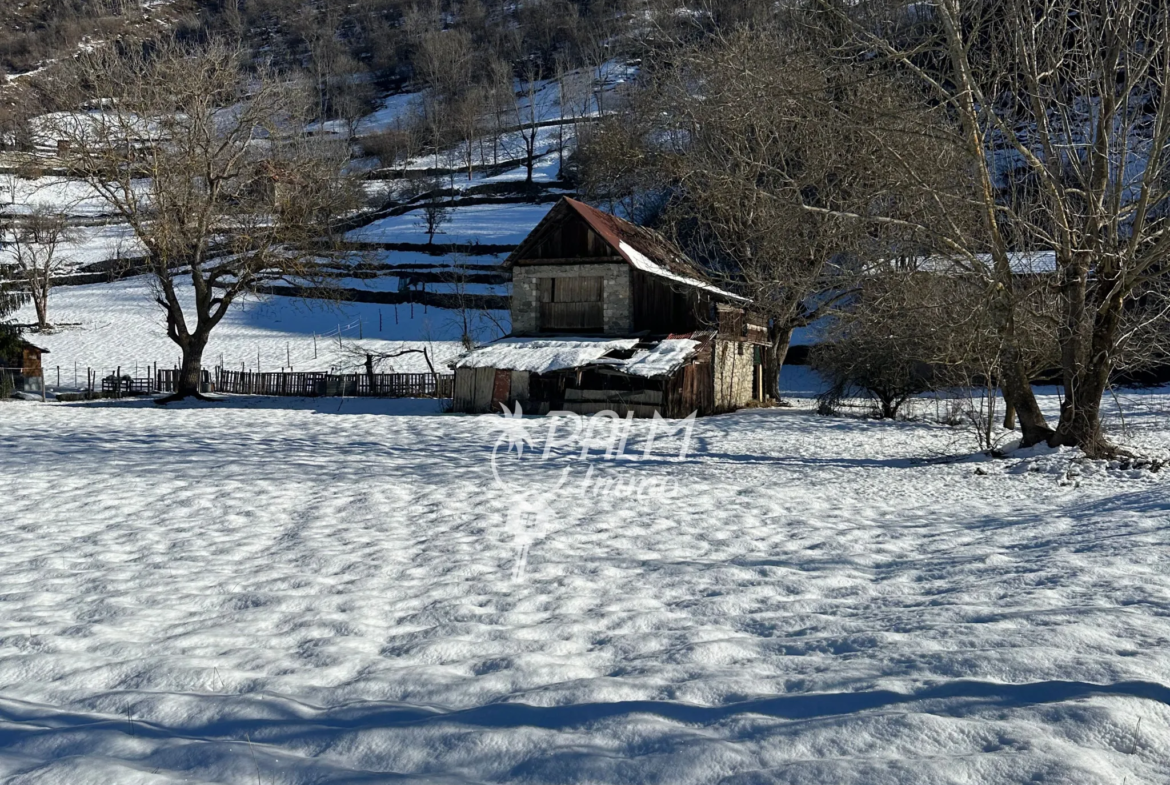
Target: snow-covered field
107, 326
284, 591
88, 245
492, 224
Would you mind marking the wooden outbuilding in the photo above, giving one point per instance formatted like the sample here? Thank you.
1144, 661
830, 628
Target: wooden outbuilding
607, 315
23, 367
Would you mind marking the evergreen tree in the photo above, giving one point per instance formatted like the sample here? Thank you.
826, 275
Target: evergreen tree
11, 298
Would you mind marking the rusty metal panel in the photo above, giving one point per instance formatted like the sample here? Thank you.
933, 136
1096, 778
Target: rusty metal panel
501, 389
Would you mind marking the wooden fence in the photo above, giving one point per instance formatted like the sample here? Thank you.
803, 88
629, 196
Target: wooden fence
350, 385
164, 380
307, 384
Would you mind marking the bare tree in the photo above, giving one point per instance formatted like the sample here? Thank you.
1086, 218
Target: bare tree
467, 117
1062, 110
35, 241
766, 193
912, 328
210, 167
12, 298
530, 107
435, 211
467, 312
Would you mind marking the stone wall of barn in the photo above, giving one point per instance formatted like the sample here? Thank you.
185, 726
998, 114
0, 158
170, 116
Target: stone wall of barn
734, 364
615, 293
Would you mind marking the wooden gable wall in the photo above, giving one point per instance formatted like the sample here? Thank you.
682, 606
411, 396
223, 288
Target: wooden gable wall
570, 238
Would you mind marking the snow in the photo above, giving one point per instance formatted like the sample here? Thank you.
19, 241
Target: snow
287, 591
540, 355
1021, 262
107, 326
88, 245
392, 112
543, 355
643, 263
65, 195
306, 591
489, 223
660, 360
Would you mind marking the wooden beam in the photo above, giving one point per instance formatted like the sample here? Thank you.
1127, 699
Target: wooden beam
571, 260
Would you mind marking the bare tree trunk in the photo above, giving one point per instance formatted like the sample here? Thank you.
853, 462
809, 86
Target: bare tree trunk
370, 374
530, 156
1080, 415
1018, 395
1086, 352
191, 371
774, 360
40, 298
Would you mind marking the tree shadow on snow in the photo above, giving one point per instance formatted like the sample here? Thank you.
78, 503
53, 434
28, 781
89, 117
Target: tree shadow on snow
295, 739
301, 722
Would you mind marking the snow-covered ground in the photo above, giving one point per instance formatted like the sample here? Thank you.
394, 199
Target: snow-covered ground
490, 223
88, 245
286, 591
294, 591
107, 326
59, 194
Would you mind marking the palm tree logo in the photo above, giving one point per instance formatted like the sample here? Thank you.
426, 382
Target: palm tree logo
528, 512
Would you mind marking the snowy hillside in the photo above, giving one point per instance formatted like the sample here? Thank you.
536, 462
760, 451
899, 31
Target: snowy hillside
306, 592
113, 325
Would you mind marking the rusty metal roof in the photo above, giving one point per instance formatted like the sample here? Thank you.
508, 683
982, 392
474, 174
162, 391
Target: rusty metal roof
642, 248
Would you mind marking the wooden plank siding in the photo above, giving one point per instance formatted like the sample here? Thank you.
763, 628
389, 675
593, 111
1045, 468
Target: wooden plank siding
570, 238
520, 388
662, 307
464, 392
572, 304
485, 382
692, 388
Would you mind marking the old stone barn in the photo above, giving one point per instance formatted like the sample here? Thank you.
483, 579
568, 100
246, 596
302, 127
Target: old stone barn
609, 315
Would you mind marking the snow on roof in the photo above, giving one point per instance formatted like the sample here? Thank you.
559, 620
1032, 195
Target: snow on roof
660, 360
544, 355
1022, 263
96, 125
639, 260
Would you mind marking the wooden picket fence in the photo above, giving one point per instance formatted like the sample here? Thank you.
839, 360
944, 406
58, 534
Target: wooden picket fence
350, 385
298, 384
